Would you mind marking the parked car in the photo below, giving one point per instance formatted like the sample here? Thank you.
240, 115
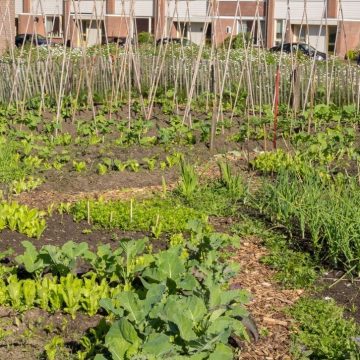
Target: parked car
34, 39
167, 40
120, 40
304, 48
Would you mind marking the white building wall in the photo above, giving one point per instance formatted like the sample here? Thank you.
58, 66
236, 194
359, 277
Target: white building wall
196, 32
94, 8
351, 9
47, 7
141, 8
18, 7
317, 37
194, 10
315, 9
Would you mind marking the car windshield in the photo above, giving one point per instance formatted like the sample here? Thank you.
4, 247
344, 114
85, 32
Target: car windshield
307, 47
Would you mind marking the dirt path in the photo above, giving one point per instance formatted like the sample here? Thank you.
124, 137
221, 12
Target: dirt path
267, 306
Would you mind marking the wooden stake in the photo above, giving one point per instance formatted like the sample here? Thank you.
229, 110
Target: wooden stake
276, 107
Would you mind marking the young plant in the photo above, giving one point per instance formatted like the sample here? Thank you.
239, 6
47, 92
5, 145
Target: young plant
133, 165
102, 169
233, 183
150, 163
188, 181
79, 166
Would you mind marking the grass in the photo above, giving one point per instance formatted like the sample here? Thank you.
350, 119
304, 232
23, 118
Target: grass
322, 332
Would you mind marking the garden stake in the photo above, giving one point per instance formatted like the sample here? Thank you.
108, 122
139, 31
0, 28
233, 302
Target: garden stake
131, 210
88, 212
276, 109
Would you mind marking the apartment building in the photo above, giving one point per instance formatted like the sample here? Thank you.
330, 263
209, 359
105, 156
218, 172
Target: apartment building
329, 25
7, 21
89, 21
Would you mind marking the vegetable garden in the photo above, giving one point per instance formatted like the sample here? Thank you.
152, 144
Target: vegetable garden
134, 182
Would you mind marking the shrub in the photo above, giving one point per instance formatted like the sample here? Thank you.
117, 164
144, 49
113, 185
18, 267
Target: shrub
145, 38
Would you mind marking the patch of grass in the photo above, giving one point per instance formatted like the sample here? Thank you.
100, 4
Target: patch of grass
214, 199
295, 269
322, 332
11, 166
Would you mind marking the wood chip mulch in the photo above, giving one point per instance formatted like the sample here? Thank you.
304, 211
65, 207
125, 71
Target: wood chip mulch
267, 305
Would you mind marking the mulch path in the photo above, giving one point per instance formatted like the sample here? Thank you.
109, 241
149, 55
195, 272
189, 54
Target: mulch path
267, 306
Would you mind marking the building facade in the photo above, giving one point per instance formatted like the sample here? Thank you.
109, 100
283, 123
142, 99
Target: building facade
7, 24
331, 26
90, 21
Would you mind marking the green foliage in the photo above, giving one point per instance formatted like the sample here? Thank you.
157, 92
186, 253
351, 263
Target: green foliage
21, 218
136, 215
239, 41
177, 311
322, 332
79, 166
11, 165
233, 183
24, 184
172, 303
302, 205
145, 38
102, 169
279, 160
188, 181
53, 348
352, 54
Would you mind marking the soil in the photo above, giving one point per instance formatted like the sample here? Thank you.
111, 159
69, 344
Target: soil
24, 336
61, 229
344, 290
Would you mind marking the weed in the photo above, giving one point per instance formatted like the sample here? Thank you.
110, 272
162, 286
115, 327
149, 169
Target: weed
322, 332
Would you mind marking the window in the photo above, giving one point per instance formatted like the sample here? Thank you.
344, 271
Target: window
242, 27
302, 37
279, 31
332, 32
53, 26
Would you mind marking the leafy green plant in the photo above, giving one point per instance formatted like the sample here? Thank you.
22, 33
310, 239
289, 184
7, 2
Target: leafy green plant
24, 184
133, 165
136, 215
150, 163
322, 332
176, 311
21, 218
102, 169
53, 348
79, 166
119, 165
